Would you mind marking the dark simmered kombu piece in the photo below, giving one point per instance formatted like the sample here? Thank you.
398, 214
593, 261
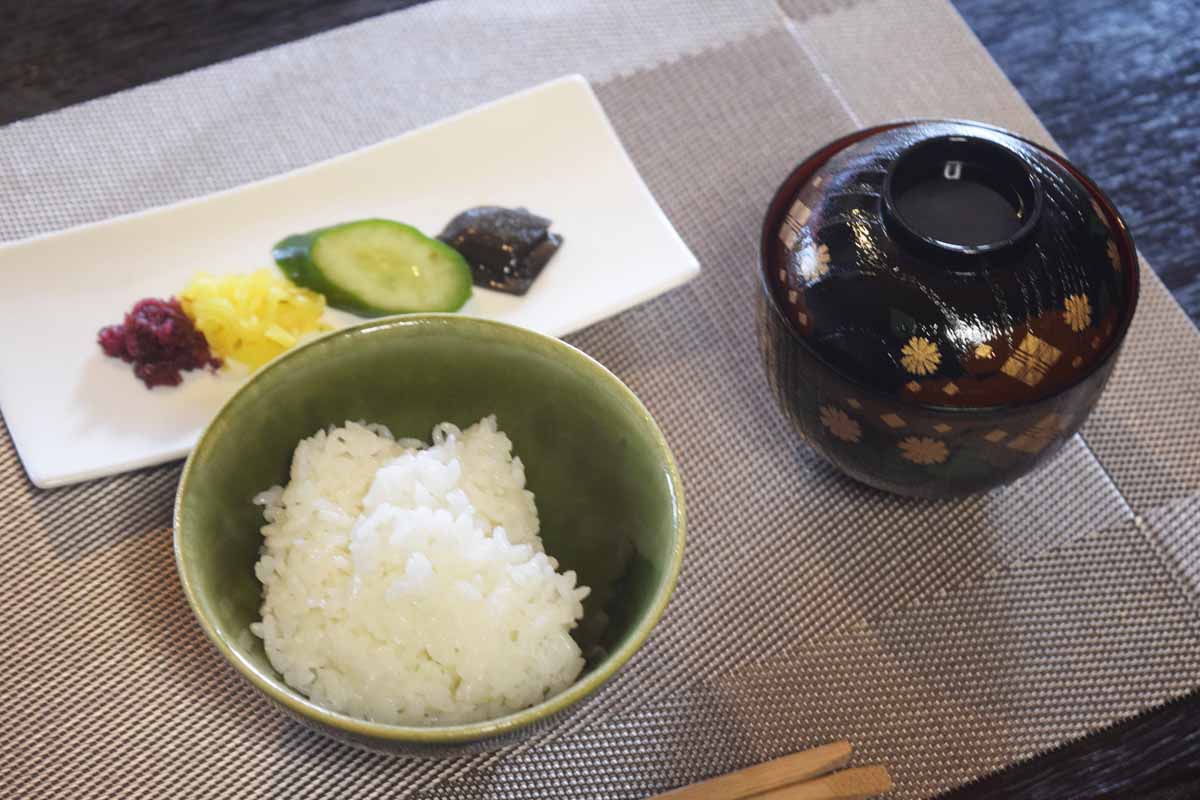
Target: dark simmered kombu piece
506, 247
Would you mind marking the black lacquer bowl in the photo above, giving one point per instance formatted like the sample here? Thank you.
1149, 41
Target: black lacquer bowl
942, 303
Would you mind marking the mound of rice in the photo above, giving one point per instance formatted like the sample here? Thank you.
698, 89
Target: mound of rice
407, 584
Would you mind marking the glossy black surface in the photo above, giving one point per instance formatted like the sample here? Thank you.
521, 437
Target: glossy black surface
929, 368
916, 451
1027, 309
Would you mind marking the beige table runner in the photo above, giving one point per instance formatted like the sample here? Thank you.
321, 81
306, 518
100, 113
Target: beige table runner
946, 639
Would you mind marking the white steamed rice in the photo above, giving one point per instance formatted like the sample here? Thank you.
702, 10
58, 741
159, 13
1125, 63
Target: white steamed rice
407, 584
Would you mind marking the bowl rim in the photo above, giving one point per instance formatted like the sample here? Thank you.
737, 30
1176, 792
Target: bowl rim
812, 162
292, 700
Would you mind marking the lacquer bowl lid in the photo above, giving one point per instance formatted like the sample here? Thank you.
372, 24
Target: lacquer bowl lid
950, 264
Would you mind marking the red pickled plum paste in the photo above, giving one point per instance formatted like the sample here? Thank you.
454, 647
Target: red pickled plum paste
160, 341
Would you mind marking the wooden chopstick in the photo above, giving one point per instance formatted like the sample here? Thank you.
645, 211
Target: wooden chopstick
753, 781
850, 784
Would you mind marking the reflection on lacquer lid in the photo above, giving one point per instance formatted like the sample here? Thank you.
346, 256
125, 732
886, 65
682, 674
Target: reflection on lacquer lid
948, 265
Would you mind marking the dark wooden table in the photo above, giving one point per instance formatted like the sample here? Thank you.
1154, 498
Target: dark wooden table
1116, 83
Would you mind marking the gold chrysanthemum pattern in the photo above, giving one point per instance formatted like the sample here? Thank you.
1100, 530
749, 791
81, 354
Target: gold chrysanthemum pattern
840, 424
924, 450
920, 356
1077, 312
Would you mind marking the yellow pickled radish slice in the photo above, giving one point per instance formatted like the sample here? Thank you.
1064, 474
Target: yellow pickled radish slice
254, 317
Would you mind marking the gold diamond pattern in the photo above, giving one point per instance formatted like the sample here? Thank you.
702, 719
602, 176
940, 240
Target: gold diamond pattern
1032, 359
913, 386
1027, 444
799, 212
793, 224
984, 351
996, 436
850, 401
793, 296
1036, 438
893, 420
942, 427
950, 389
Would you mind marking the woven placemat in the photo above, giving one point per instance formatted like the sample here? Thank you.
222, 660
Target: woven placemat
945, 639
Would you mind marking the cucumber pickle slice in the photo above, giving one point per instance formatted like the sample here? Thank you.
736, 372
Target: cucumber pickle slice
375, 267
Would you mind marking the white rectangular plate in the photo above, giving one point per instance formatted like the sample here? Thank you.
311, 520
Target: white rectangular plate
75, 414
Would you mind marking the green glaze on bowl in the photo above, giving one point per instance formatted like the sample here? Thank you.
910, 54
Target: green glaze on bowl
607, 489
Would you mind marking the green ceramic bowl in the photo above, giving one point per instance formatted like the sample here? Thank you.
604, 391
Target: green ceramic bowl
607, 489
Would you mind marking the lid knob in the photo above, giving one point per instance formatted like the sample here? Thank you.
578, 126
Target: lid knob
961, 197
